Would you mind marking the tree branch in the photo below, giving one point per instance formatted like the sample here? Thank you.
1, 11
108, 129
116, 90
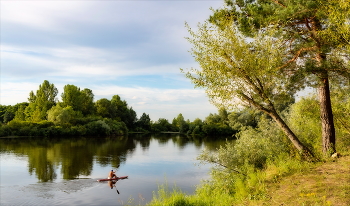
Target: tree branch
254, 103
214, 162
279, 3
296, 56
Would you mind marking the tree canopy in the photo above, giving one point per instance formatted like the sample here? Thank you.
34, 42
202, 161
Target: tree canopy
41, 101
304, 43
237, 71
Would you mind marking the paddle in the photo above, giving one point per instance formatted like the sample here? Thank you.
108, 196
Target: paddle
116, 183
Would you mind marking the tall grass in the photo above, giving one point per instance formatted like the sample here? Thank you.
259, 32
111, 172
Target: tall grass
205, 195
231, 189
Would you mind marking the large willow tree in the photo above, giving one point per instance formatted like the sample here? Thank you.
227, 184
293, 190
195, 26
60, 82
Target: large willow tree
235, 70
316, 36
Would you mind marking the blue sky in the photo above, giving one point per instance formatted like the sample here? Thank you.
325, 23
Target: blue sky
131, 48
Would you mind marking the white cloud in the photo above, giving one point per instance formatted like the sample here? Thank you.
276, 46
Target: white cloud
12, 93
88, 42
40, 14
161, 103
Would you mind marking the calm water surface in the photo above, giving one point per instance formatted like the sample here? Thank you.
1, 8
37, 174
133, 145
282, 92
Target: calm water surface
65, 171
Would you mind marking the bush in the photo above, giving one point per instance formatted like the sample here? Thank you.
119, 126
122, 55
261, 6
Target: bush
98, 128
78, 130
304, 120
117, 127
5, 131
252, 148
239, 165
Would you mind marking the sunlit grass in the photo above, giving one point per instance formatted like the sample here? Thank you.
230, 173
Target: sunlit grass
287, 182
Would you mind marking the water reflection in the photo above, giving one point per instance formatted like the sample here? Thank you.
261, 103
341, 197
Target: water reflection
75, 157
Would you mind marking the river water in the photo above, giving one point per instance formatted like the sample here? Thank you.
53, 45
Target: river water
36, 171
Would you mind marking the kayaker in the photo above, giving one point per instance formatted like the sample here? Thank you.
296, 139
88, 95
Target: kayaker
111, 184
112, 175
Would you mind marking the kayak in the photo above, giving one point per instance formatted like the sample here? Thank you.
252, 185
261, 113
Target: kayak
118, 178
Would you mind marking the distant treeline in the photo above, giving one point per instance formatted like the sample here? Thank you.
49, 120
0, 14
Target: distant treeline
79, 115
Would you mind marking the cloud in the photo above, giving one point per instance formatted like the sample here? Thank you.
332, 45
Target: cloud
17, 92
161, 103
130, 48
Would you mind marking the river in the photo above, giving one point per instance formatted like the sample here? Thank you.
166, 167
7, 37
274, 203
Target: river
36, 171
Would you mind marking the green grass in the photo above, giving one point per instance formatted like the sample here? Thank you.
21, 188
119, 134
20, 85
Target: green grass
282, 182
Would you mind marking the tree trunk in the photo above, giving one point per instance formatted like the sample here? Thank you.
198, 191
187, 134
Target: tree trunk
304, 151
292, 137
328, 131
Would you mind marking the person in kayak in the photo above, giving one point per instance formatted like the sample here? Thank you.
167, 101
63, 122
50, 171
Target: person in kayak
112, 184
112, 175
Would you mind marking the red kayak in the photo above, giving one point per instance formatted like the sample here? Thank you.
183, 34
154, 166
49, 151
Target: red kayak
118, 178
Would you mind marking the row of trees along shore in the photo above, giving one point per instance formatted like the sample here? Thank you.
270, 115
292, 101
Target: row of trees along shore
79, 115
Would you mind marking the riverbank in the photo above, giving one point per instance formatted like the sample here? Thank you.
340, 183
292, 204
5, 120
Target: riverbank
325, 184
321, 184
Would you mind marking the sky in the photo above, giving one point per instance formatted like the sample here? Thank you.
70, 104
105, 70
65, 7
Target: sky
132, 48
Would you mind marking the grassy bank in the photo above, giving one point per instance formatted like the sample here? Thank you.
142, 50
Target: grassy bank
322, 184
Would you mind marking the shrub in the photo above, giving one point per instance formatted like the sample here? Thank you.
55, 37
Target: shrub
116, 127
78, 130
304, 120
5, 130
98, 128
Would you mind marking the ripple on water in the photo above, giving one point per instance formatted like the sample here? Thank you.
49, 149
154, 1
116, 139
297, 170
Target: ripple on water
49, 193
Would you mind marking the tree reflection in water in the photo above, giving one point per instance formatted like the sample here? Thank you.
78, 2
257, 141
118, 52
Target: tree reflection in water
75, 156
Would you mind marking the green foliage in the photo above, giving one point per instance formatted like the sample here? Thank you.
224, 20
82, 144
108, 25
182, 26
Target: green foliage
103, 107
101, 127
195, 127
162, 125
78, 130
76, 115
79, 100
98, 128
304, 118
169, 198
318, 37
235, 71
41, 102
116, 109
117, 127
244, 118
87, 106
8, 116
341, 111
242, 169
3, 109
144, 123
71, 96
59, 115
175, 197
5, 130
181, 124
20, 111
26, 128
253, 148
213, 119
119, 110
